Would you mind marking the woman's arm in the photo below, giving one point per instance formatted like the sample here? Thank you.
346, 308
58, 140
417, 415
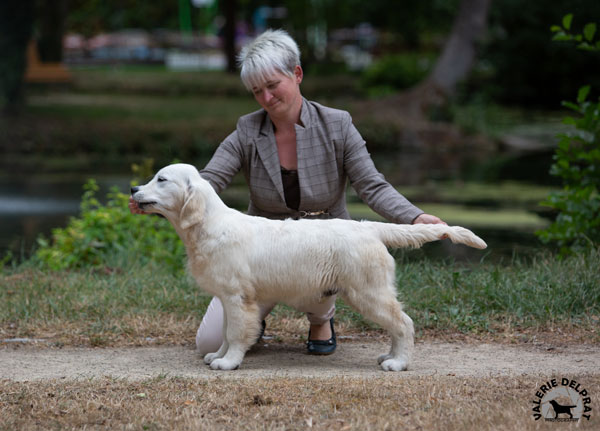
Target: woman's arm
224, 164
371, 185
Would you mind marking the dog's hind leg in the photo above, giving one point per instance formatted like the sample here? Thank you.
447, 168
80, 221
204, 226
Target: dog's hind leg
402, 334
387, 312
242, 328
377, 302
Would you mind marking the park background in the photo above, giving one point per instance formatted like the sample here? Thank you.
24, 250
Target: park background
483, 112
459, 102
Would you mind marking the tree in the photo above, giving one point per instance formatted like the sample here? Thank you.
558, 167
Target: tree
409, 109
453, 65
51, 16
458, 56
229, 9
16, 26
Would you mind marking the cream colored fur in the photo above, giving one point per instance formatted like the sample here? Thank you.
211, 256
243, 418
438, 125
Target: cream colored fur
247, 260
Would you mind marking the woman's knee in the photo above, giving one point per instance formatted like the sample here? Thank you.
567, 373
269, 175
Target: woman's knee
321, 311
209, 336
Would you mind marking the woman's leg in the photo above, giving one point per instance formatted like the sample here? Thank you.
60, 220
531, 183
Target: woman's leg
210, 333
319, 314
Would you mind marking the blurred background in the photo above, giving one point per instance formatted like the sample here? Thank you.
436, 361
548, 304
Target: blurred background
459, 100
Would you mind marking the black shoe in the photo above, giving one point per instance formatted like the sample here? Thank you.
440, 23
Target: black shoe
322, 347
263, 325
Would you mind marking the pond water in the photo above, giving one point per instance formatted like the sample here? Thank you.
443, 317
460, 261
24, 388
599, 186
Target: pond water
34, 205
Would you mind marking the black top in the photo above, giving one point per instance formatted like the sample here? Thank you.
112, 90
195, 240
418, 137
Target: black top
291, 188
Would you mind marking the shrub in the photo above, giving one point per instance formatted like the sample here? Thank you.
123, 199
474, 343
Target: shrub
395, 72
109, 235
521, 65
577, 163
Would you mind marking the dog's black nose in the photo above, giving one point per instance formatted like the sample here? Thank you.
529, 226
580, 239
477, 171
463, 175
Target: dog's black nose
134, 190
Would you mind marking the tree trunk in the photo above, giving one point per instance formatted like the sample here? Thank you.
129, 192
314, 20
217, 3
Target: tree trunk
229, 7
453, 66
51, 15
458, 56
407, 114
16, 26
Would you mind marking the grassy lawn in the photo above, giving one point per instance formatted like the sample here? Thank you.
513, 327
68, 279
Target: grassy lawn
148, 305
341, 404
104, 307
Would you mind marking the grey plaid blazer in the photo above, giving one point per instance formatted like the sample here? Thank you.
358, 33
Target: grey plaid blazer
330, 151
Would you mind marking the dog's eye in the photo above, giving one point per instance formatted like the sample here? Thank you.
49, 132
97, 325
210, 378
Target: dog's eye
161, 179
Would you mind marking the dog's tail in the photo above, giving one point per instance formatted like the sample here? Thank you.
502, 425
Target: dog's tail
415, 235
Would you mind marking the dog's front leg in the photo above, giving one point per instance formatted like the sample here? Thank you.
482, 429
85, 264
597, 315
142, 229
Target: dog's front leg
209, 357
242, 327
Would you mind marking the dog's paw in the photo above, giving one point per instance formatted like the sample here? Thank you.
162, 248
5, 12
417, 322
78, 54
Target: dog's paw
209, 357
394, 364
384, 358
224, 364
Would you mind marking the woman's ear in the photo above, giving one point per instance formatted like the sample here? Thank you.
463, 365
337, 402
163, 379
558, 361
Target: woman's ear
299, 74
193, 207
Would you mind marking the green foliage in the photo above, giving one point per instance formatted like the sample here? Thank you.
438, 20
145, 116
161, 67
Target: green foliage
91, 17
577, 163
518, 39
585, 40
110, 236
396, 72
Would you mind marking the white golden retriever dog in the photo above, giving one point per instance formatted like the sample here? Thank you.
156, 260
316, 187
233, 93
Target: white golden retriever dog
246, 260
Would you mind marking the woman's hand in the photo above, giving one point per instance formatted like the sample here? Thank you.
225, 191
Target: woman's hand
428, 219
134, 208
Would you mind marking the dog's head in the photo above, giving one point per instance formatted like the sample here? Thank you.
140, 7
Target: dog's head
176, 192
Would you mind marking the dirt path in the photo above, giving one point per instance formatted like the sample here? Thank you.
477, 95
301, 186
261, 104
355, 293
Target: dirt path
27, 363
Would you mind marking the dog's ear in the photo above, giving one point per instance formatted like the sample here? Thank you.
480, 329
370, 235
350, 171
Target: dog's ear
193, 207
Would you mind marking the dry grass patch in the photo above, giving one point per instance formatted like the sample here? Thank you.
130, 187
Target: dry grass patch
142, 330
283, 327
387, 403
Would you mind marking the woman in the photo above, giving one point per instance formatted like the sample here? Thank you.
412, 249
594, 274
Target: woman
297, 156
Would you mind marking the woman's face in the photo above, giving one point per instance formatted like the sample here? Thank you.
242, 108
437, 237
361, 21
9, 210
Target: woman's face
280, 94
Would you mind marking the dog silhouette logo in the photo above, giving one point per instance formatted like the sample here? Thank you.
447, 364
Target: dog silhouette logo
562, 400
558, 409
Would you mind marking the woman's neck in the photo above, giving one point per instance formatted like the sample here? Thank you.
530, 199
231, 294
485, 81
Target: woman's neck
288, 120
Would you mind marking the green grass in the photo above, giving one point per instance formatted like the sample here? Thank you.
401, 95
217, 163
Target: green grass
478, 298
104, 304
30, 293
491, 297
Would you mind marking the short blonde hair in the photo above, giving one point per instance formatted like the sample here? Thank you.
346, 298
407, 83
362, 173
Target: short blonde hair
271, 52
